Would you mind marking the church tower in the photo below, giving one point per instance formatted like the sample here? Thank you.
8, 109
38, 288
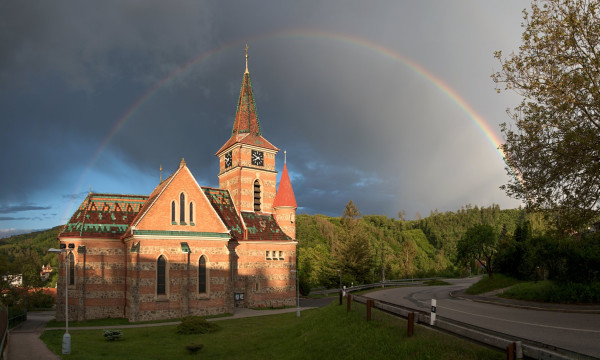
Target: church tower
247, 159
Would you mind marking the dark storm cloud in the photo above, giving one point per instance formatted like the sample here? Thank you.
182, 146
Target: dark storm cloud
7, 209
357, 124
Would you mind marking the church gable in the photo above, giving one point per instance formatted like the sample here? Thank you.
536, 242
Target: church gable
179, 205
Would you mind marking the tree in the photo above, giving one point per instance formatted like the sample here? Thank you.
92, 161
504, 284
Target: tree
353, 255
553, 150
480, 243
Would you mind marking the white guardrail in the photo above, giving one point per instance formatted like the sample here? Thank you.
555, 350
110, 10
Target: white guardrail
523, 347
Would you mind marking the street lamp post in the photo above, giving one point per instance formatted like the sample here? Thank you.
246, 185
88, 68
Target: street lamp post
66, 343
297, 294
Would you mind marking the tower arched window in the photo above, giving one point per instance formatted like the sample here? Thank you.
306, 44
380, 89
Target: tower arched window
173, 211
161, 276
71, 269
182, 208
256, 195
202, 275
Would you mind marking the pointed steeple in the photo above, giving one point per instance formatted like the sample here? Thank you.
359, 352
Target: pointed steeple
246, 116
246, 127
285, 193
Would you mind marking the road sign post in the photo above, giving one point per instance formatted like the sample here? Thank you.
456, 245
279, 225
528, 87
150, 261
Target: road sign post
433, 312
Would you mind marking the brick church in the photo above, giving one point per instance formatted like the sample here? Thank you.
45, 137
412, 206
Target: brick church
187, 249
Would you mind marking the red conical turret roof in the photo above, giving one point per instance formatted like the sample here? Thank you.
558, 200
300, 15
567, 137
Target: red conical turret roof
285, 193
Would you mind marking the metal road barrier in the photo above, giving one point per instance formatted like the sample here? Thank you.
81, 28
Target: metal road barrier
502, 341
3, 330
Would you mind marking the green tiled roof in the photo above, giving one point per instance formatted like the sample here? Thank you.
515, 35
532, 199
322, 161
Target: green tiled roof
263, 227
223, 205
104, 215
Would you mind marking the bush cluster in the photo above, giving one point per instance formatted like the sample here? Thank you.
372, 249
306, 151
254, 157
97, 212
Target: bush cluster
564, 259
194, 348
112, 335
196, 325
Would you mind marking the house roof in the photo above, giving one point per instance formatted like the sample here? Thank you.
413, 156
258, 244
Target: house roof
263, 227
285, 193
104, 215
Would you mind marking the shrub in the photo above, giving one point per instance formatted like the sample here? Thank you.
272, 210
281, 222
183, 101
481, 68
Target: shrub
194, 348
304, 286
112, 335
196, 325
39, 300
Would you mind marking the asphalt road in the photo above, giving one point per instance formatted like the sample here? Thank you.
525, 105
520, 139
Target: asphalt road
572, 331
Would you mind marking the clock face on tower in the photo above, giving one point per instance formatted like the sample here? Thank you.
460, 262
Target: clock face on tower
228, 160
257, 158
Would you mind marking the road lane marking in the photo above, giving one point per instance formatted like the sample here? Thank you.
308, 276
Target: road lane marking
520, 322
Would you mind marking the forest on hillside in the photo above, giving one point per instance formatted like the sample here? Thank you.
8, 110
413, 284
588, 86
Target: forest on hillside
352, 248
357, 248
26, 254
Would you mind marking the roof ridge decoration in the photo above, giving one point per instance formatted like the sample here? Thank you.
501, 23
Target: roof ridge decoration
246, 115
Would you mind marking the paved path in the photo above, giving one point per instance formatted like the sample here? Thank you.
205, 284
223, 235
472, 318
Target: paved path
24, 340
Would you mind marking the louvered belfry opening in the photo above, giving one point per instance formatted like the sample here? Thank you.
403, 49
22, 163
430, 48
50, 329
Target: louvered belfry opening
256, 195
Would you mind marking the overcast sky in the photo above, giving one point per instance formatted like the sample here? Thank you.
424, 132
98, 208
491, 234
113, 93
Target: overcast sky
375, 102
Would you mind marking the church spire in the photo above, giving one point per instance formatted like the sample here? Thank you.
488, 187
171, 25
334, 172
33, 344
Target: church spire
246, 116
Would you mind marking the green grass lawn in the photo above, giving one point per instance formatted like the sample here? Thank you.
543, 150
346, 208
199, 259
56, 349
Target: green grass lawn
486, 284
325, 333
549, 291
436, 282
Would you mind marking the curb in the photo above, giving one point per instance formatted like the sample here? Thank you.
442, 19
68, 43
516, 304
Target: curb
508, 303
239, 316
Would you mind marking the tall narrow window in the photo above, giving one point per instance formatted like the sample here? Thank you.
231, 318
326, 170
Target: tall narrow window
256, 195
191, 212
71, 269
202, 275
182, 208
173, 211
161, 276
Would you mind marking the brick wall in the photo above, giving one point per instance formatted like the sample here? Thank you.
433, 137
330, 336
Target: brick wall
182, 296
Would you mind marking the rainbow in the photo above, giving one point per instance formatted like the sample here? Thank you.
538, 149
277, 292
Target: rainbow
488, 132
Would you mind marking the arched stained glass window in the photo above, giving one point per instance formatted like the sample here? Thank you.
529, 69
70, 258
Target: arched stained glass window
182, 208
172, 211
191, 212
202, 275
161, 276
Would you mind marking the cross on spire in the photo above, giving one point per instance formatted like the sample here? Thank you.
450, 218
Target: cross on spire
246, 57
